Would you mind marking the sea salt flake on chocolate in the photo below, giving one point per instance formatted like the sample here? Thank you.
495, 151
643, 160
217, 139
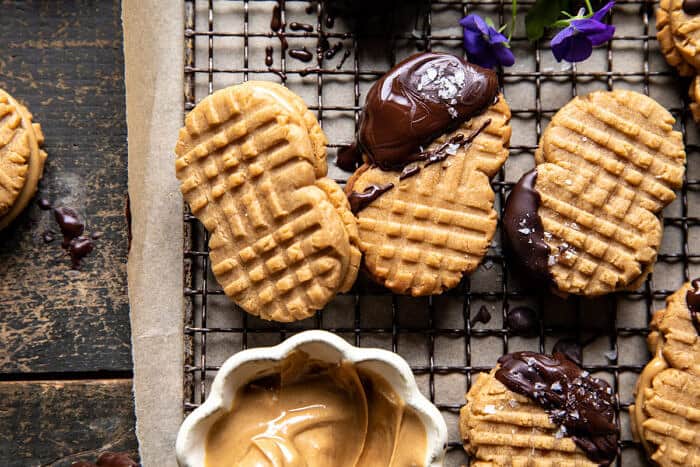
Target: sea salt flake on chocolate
524, 231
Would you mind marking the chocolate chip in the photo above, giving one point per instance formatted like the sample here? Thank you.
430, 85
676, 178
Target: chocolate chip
522, 321
481, 316
571, 348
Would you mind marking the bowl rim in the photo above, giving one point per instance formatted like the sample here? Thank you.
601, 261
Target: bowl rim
269, 356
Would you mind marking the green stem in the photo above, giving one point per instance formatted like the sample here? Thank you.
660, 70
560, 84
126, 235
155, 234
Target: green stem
590, 7
514, 15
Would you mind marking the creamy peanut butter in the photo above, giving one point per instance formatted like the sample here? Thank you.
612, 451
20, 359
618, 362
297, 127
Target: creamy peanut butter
311, 414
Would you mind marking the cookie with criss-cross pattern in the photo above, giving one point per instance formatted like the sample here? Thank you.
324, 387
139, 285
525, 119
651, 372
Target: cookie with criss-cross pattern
586, 219
678, 33
251, 160
540, 411
21, 158
666, 414
434, 131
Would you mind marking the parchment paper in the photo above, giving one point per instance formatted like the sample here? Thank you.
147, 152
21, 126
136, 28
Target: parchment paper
154, 57
154, 43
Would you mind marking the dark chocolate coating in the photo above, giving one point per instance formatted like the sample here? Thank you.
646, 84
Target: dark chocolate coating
582, 404
71, 224
569, 347
692, 299
691, 7
481, 316
419, 99
523, 227
359, 201
108, 459
522, 321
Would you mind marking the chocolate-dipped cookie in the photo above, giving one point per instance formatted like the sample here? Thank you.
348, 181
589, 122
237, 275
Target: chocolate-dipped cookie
534, 409
586, 219
666, 413
433, 131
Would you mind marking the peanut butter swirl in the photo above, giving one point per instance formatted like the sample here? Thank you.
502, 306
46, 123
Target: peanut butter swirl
313, 414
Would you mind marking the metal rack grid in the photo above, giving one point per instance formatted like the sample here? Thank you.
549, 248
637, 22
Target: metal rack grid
424, 329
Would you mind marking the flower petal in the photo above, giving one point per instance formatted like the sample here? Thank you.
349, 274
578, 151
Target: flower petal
504, 55
475, 23
496, 37
603, 36
600, 14
474, 42
570, 46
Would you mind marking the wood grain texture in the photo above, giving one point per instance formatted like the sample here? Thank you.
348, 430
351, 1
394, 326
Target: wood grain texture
65, 61
57, 423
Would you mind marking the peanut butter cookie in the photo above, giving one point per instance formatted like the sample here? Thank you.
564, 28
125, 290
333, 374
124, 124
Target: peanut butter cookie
537, 410
423, 197
586, 219
251, 161
678, 26
21, 158
666, 413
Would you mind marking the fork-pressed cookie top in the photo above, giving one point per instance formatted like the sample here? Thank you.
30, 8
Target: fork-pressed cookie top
608, 163
249, 161
21, 158
666, 414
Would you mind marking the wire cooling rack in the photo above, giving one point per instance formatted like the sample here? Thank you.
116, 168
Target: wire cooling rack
226, 42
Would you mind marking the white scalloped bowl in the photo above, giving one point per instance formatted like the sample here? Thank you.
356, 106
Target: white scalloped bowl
250, 364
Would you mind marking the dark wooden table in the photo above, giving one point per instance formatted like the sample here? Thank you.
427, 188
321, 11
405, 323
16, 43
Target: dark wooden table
65, 358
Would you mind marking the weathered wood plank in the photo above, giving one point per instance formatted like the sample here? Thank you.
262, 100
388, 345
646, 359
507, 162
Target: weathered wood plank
65, 61
56, 423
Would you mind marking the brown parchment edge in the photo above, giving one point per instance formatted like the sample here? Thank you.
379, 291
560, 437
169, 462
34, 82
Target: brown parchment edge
153, 51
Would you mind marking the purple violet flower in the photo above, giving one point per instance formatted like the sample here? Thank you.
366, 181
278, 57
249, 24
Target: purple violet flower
575, 42
485, 46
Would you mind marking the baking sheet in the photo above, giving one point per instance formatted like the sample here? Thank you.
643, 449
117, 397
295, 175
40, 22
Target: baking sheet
431, 333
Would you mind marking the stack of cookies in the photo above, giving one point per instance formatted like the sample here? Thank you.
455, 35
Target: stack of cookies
21, 158
252, 163
678, 32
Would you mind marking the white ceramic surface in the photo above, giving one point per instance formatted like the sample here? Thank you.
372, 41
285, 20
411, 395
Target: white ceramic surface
250, 364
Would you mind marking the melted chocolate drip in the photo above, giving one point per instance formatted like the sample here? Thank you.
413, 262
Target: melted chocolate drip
276, 20
48, 236
691, 7
108, 459
44, 204
572, 349
301, 54
294, 26
420, 98
349, 158
70, 223
482, 316
409, 171
330, 53
522, 321
72, 228
359, 201
346, 54
79, 248
523, 227
268, 56
692, 299
283, 42
583, 405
